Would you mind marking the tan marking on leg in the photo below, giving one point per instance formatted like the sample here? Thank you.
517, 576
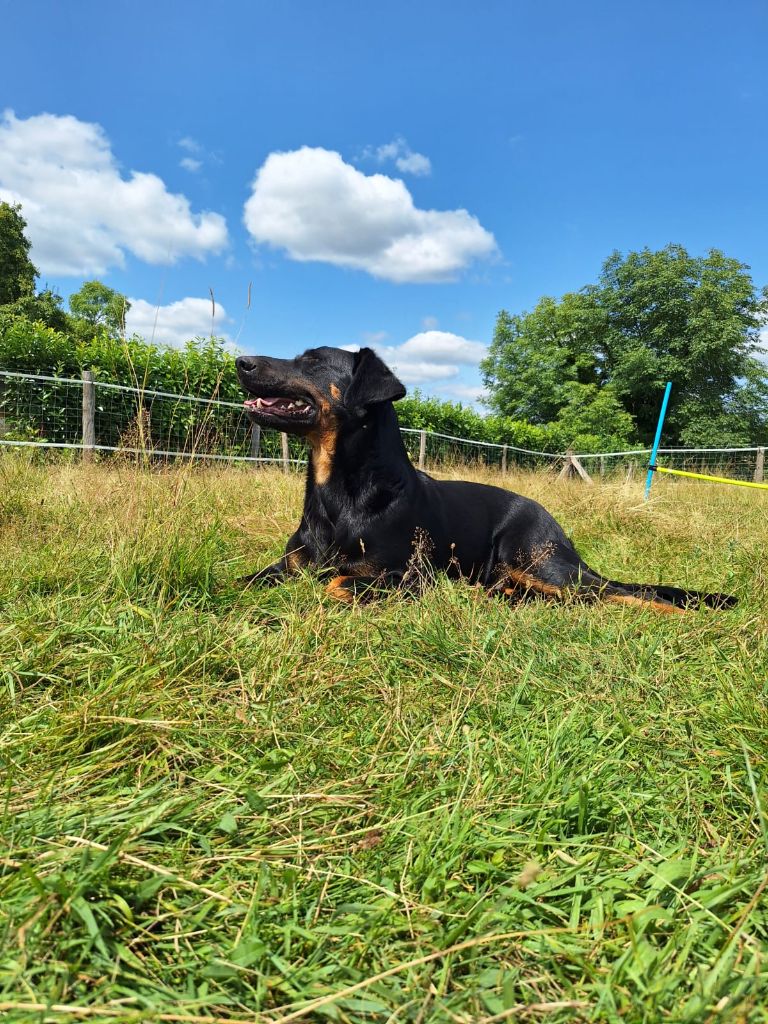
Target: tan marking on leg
657, 606
338, 591
524, 579
295, 560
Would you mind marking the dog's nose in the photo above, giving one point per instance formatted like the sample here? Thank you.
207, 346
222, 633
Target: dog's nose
245, 363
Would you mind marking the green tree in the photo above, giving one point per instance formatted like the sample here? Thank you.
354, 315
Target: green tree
536, 357
17, 271
45, 307
594, 411
98, 305
651, 317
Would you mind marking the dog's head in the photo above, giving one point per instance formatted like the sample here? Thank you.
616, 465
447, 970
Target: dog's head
323, 386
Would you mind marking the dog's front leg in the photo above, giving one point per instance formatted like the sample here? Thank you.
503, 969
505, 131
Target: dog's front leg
270, 576
293, 561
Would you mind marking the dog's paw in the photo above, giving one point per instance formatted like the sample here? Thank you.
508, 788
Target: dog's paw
341, 588
268, 577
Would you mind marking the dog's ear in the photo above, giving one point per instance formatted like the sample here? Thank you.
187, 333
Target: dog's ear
372, 382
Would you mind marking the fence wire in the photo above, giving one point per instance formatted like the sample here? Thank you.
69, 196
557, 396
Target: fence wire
736, 463
47, 412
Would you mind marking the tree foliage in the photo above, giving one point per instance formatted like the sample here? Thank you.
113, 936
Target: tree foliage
44, 307
17, 271
98, 305
203, 367
651, 317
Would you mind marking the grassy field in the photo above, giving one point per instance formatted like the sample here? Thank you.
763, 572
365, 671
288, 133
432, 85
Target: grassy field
265, 806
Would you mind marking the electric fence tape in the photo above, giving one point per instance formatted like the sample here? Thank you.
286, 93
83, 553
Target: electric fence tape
711, 479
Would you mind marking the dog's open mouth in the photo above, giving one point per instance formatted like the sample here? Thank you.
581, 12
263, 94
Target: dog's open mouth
280, 408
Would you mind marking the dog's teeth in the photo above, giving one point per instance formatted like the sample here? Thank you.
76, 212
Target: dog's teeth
258, 403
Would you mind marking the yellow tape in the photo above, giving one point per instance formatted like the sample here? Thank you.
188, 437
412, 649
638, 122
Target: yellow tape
712, 479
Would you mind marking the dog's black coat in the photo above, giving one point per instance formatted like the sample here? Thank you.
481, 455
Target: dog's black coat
365, 504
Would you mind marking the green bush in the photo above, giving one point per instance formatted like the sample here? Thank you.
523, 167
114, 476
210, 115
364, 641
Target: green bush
205, 368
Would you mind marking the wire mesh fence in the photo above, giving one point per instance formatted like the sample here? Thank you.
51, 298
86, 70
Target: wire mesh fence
53, 412
427, 447
736, 463
49, 412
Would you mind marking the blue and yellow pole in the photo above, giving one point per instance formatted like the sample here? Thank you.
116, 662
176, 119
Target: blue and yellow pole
657, 439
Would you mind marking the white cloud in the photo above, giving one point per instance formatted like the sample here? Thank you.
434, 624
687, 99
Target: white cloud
176, 323
420, 371
197, 155
403, 156
83, 215
414, 163
430, 356
315, 206
440, 346
430, 323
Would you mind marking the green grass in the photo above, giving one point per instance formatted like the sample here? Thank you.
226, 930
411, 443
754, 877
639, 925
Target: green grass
264, 806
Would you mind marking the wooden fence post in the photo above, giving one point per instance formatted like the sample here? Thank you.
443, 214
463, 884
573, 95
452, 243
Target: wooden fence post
422, 448
760, 466
572, 465
565, 472
255, 442
89, 415
504, 459
602, 467
286, 452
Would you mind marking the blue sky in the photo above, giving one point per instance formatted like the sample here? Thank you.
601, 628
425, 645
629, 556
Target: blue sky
381, 174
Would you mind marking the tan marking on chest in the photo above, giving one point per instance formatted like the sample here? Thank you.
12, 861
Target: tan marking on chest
322, 462
323, 442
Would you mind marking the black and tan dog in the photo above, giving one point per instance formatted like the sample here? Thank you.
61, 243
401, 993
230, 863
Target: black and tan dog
365, 503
